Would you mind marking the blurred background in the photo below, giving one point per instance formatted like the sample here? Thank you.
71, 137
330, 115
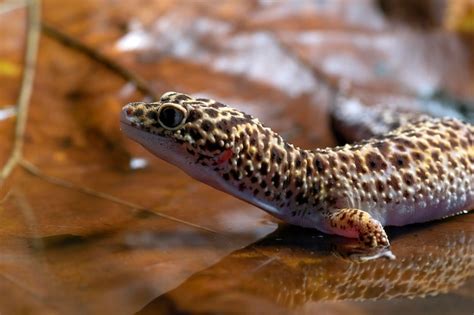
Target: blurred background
92, 223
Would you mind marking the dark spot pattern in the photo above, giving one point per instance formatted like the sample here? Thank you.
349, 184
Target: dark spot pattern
401, 167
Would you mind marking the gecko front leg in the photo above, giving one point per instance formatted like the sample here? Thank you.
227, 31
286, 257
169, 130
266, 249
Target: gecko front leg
356, 223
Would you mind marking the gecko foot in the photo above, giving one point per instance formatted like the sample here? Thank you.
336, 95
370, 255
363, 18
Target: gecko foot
359, 224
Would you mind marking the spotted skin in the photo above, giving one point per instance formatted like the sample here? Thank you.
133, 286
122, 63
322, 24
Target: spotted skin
421, 171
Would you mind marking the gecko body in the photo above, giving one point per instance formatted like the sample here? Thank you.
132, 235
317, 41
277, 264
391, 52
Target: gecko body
421, 171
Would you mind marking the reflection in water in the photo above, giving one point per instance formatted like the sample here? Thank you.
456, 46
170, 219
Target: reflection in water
293, 266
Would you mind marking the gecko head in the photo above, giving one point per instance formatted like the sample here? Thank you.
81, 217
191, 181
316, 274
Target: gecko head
186, 131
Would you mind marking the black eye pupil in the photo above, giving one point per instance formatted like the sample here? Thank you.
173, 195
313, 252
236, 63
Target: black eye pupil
171, 117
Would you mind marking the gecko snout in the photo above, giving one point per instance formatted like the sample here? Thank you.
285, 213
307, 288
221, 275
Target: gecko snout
134, 113
136, 109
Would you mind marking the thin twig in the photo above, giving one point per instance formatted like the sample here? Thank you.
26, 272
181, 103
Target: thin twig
73, 43
31, 52
85, 190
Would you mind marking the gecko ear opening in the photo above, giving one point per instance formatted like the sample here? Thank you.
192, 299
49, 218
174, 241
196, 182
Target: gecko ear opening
171, 116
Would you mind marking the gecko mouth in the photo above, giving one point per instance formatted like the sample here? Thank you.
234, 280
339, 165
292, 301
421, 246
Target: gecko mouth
125, 117
131, 126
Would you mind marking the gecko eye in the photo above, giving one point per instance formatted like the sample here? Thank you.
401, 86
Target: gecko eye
171, 116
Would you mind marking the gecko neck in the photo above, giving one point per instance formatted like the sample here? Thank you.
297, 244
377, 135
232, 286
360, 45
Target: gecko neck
271, 173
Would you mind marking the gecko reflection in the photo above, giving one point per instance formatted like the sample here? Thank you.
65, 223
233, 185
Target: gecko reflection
291, 267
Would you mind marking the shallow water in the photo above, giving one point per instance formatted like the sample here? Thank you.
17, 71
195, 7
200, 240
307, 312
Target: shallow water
295, 270
148, 265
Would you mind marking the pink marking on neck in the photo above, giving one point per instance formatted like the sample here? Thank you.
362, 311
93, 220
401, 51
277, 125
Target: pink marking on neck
225, 156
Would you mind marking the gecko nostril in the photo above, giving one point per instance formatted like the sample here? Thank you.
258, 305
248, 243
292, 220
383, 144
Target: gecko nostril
126, 114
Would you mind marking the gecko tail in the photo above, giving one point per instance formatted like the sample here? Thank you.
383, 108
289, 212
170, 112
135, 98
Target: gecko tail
354, 121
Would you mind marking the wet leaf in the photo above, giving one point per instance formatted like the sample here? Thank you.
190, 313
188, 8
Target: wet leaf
92, 223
